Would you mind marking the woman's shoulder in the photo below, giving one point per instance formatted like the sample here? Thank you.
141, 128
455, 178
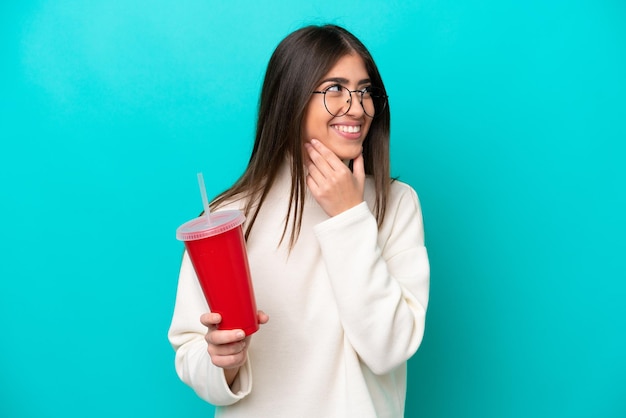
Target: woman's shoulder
237, 202
402, 194
400, 187
398, 190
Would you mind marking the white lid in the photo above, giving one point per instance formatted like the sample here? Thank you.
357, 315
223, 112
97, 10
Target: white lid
199, 228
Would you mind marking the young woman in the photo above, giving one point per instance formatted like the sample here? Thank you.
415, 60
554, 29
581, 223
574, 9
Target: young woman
335, 246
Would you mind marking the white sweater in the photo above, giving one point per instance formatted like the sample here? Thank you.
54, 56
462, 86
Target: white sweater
347, 310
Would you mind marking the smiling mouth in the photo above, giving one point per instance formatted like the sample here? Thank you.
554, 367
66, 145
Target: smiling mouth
351, 129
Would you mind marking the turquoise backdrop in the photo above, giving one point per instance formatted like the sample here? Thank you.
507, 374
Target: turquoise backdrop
509, 119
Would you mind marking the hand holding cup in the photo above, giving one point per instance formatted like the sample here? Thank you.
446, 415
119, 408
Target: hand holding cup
228, 349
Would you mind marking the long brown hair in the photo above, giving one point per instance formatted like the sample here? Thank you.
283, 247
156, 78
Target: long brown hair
295, 69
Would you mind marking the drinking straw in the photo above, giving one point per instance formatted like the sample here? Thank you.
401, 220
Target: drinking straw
205, 200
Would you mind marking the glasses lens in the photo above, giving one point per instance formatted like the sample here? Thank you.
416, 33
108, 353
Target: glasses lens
374, 101
337, 100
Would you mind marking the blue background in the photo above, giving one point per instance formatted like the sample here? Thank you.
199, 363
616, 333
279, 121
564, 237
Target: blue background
508, 119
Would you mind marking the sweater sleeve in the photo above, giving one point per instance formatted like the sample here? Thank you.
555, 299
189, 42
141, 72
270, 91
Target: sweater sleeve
192, 361
380, 284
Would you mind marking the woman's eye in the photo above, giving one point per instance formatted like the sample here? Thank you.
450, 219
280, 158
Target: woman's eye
366, 92
334, 88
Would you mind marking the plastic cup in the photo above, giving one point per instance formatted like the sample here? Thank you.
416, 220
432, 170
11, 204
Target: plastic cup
218, 254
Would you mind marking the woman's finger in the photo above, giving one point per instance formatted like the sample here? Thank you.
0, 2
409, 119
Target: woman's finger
263, 317
227, 349
219, 337
210, 319
317, 159
329, 157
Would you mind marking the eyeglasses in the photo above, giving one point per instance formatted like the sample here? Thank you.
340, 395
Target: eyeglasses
338, 100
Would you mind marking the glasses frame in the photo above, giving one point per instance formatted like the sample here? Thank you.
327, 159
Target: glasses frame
384, 99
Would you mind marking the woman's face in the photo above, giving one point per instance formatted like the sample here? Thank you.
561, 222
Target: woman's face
343, 135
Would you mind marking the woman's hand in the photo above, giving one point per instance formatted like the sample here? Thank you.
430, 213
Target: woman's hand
331, 182
228, 348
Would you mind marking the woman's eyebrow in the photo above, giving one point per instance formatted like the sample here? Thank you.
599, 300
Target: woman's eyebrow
338, 80
343, 81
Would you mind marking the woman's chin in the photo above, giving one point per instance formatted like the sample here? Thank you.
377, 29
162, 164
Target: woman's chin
346, 152
347, 155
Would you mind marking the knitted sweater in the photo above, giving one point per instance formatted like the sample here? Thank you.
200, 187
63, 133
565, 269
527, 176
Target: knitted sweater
347, 310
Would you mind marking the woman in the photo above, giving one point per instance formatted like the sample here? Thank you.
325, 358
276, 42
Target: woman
336, 250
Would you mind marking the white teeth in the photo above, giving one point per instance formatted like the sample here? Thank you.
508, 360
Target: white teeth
349, 129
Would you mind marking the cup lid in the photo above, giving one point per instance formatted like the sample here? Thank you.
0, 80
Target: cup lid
199, 228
